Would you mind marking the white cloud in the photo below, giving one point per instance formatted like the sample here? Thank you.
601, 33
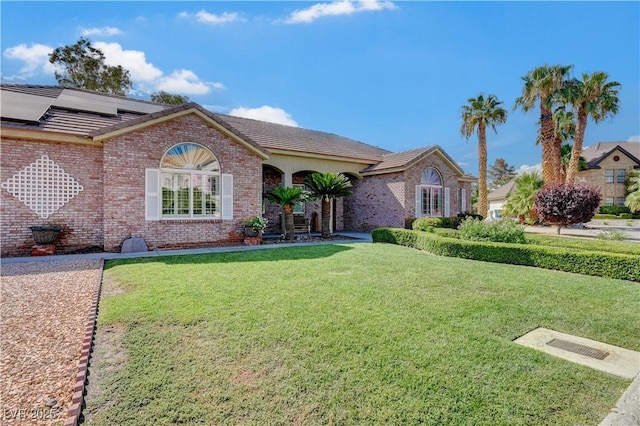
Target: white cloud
144, 74
35, 57
342, 7
183, 82
635, 138
205, 17
133, 60
265, 113
100, 31
525, 168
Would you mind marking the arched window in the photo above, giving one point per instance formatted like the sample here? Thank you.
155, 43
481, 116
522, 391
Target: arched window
430, 194
190, 179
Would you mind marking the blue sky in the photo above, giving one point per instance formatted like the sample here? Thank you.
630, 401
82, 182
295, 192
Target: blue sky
391, 74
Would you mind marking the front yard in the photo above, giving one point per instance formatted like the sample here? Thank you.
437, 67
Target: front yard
351, 334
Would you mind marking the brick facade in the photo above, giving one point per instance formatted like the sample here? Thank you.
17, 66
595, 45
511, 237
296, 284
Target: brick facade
127, 157
389, 199
81, 217
111, 206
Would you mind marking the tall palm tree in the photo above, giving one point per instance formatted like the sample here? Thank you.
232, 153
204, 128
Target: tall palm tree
479, 113
288, 197
541, 85
521, 200
327, 187
565, 153
594, 97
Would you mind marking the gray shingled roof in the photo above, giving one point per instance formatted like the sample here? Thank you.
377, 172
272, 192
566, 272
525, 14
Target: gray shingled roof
597, 152
278, 136
503, 191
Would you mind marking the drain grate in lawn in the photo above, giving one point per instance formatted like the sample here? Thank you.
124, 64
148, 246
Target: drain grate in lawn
578, 348
601, 356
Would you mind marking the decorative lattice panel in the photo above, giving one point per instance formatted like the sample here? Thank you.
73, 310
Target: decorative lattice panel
43, 186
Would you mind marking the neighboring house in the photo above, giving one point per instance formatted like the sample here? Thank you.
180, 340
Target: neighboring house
609, 165
498, 197
106, 168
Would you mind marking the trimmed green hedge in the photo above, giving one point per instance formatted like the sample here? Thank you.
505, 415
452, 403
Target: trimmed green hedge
611, 265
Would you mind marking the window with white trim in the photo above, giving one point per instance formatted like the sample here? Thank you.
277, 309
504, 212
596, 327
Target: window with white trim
622, 176
188, 185
190, 179
608, 201
620, 201
608, 175
430, 194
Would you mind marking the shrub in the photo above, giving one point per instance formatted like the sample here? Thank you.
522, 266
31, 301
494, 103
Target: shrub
614, 210
564, 205
408, 222
604, 216
625, 215
505, 231
422, 223
603, 264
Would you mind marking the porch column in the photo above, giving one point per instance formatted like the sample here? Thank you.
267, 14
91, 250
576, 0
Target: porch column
287, 178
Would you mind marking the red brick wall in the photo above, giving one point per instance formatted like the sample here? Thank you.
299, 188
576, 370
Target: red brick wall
388, 199
81, 217
127, 157
376, 201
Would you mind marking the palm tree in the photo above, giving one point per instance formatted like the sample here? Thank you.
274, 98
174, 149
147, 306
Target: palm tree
327, 187
521, 200
541, 85
288, 197
565, 153
633, 198
591, 97
479, 113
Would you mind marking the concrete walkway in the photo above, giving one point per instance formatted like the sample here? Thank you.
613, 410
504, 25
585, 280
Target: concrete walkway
360, 237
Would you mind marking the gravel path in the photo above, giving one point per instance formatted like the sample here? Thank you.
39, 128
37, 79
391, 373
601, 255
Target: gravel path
44, 307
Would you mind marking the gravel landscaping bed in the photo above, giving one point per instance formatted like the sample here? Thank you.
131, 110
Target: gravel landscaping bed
44, 308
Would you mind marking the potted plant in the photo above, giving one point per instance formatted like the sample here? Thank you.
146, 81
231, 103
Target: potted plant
253, 227
45, 234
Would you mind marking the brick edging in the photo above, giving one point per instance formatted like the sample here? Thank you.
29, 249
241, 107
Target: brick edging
73, 414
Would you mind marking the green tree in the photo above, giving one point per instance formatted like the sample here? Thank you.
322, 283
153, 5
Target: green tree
541, 85
479, 113
633, 197
84, 68
163, 97
593, 97
500, 173
520, 202
288, 197
565, 153
327, 187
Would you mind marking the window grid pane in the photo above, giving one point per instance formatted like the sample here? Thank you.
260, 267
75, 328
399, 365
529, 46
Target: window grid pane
608, 176
608, 201
621, 201
622, 175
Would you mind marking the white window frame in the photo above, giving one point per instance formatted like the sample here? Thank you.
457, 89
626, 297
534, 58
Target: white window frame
620, 201
622, 175
608, 201
217, 197
609, 176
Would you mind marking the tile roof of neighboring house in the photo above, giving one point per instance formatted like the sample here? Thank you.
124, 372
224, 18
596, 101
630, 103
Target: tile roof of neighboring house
280, 137
502, 192
595, 153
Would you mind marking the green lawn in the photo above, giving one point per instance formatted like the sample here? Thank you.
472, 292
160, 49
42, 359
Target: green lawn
355, 334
